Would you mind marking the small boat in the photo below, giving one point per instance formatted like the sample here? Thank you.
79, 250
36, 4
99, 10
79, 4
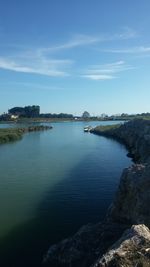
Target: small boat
87, 128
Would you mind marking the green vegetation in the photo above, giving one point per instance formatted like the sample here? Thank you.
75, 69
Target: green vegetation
10, 135
106, 128
86, 115
28, 111
14, 134
128, 117
56, 116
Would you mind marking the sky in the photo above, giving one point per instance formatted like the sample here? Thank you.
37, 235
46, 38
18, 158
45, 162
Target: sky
75, 55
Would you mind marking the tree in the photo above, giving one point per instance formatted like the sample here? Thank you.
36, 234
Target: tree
16, 111
32, 111
28, 111
86, 115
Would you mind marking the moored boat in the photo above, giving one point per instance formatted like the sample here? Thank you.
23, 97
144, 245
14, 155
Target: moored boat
87, 128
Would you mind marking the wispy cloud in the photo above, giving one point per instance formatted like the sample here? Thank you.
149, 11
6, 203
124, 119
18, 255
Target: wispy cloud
38, 65
75, 41
106, 71
132, 50
79, 40
98, 77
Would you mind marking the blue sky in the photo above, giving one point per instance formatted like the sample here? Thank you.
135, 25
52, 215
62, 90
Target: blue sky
70, 56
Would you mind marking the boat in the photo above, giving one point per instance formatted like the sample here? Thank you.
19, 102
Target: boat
87, 128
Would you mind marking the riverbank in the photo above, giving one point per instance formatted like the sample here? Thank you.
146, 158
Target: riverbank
14, 134
123, 238
36, 120
135, 135
49, 120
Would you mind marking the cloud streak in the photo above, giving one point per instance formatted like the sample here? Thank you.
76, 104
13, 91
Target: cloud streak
79, 40
106, 71
132, 50
75, 41
98, 77
52, 68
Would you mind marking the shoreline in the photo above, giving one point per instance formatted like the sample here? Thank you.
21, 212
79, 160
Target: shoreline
44, 120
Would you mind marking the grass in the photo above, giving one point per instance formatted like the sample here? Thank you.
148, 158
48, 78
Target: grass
14, 134
10, 135
106, 128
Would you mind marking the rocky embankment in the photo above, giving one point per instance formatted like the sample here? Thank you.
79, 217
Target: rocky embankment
135, 134
14, 134
123, 238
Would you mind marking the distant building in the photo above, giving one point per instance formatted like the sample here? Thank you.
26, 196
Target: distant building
14, 117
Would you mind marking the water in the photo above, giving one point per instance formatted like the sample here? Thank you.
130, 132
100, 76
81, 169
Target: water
51, 183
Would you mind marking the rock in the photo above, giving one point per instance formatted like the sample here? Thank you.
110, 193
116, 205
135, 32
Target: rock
131, 204
82, 249
132, 249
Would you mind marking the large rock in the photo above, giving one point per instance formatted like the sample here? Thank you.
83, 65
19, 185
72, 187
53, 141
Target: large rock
132, 249
85, 247
132, 201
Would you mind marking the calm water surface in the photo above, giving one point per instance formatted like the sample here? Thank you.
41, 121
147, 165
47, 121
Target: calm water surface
51, 183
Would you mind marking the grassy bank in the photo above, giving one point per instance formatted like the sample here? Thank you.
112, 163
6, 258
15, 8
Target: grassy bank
14, 134
105, 129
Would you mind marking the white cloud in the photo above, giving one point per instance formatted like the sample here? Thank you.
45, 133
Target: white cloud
79, 40
53, 68
75, 41
98, 77
132, 50
106, 71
